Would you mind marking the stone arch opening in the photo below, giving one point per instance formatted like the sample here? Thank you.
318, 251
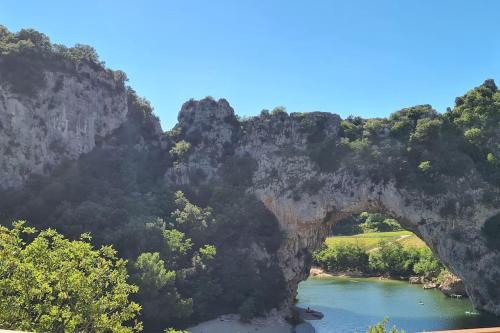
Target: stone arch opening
311, 169
362, 236
455, 239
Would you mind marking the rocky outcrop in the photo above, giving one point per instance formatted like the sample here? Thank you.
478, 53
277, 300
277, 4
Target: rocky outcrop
306, 200
452, 286
213, 128
305, 170
68, 115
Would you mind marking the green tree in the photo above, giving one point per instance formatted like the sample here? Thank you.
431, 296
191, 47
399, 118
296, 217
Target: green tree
152, 273
426, 131
342, 257
51, 284
390, 258
428, 265
425, 166
158, 293
381, 328
404, 121
180, 149
190, 218
473, 135
204, 282
373, 222
177, 246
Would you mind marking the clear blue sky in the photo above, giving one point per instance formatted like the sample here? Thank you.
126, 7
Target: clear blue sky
366, 58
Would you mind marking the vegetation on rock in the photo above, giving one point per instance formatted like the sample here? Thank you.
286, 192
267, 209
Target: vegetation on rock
200, 243
27, 54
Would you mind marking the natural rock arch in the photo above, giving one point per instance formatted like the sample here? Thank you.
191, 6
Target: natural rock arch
305, 167
306, 228
305, 198
302, 190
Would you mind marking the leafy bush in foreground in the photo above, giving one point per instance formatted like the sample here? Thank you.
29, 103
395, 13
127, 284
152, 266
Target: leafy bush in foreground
51, 284
381, 328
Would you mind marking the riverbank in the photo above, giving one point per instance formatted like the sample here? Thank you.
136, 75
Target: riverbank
273, 323
318, 272
450, 285
352, 304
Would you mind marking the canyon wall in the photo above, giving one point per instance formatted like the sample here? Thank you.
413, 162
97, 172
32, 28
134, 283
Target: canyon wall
306, 200
67, 116
437, 174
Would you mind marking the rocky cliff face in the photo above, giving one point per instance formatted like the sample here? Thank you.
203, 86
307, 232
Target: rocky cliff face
309, 170
306, 199
68, 115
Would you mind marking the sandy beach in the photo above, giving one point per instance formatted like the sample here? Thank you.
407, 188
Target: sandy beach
231, 324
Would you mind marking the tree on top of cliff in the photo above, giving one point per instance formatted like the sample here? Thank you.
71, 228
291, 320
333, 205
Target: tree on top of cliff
25, 55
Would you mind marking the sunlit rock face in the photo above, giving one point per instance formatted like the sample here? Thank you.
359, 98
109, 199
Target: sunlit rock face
68, 115
72, 113
306, 200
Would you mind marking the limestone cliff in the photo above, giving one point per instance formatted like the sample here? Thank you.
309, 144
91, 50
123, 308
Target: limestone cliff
437, 174
305, 199
69, 114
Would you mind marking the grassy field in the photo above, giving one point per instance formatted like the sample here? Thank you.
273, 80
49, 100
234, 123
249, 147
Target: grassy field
370, 240
413, 241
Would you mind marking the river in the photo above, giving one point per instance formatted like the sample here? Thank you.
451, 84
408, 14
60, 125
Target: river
353, 304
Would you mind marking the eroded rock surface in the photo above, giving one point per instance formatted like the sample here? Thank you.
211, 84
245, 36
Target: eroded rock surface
69, 113
452, 286
305, 193
306, 200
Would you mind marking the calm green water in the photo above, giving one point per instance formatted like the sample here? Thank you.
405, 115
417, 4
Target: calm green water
352, 304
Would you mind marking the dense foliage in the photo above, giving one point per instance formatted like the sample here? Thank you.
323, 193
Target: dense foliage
365, 222
343, 257
191, 249
419, 148
180, 245
389, 258
25, 55
51, 284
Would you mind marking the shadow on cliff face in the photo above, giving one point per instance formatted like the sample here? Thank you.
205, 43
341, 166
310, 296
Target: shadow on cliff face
273, 182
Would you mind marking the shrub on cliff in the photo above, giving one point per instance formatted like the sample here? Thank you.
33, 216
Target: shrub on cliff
180, 149
25, 55
476, 115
